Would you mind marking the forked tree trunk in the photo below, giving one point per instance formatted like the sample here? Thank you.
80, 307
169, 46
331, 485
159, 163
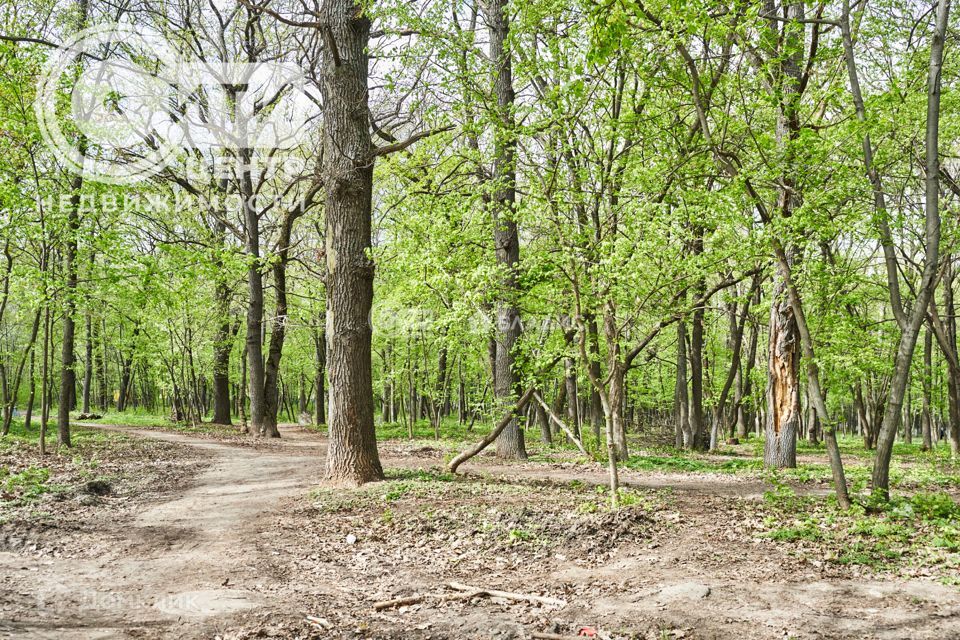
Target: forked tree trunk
352, 456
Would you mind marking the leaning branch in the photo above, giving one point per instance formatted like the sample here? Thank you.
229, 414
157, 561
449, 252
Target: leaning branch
556, 420
490, 437
403, 144
27, 39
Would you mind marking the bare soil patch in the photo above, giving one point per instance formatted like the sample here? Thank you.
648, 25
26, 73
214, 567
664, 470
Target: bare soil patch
253, 543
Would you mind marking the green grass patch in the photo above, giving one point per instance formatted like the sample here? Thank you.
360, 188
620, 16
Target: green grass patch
922, 530
24, 486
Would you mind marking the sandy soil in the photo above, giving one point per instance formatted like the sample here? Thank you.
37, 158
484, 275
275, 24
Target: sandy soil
242, 551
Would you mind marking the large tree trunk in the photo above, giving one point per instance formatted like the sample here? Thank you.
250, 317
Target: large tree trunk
783, 382
68, 375
348, 175
506, 239
254, 341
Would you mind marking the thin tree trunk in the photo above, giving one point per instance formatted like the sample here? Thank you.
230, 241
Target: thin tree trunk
320, 344
597, 418
12, 395
911, 329
279, 330
926, 424
45, 380
88, 363
738, 328
222, 346
31, 398
684, 434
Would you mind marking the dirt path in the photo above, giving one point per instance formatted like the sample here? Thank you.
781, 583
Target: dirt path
169, 567
189, 566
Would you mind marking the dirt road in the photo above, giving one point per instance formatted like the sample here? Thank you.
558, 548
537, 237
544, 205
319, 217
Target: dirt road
190, 566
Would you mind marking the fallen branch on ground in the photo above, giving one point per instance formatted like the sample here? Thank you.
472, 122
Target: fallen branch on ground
508, 595
466, 592
397, 602
408, 600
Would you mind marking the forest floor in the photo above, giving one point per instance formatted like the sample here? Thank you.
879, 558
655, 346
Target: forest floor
166, 534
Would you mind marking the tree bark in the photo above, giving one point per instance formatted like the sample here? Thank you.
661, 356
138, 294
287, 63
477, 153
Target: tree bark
254, 340
68, 375
88, 363
320, 344
911, 328
684, 434
222, 346
783, 383
279, 330
506, 240
926, 424
352, 456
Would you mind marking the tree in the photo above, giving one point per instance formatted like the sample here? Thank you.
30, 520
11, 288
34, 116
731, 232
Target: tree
348, 158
